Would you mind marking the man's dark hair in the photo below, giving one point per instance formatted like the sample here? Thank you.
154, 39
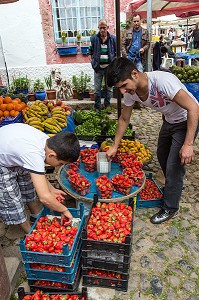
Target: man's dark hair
161, 38
163, 49
119, 70
66, 146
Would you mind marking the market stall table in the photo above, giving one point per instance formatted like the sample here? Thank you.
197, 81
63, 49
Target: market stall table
188, 57
92, 176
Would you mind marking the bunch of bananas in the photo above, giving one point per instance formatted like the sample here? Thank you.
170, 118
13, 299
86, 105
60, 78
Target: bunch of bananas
36, 114
57, 121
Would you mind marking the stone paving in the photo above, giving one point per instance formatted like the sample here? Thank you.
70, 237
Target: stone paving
165, 258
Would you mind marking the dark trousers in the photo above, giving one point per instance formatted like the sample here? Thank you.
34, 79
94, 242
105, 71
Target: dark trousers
98, 78
170, 141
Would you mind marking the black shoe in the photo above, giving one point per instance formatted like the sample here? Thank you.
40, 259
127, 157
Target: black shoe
162, 216
137, 105
32, 219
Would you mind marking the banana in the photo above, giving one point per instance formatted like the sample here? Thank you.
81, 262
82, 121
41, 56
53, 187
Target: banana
62, 125
38, 101
32, 119
38, 127
57, 109
31, 114
51, 129
25, 117
38, 123
60, 121
55, 115
36, 107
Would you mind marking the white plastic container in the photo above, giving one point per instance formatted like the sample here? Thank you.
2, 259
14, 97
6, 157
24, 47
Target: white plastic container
103, 165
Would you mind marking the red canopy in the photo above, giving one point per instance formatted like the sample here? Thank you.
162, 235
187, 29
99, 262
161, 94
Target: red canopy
164, 7
188, 14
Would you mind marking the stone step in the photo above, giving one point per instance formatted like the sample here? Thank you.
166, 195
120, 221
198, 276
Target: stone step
14, 268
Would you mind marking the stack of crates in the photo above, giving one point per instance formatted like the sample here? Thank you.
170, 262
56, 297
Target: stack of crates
70, 259
110, 261
150, 203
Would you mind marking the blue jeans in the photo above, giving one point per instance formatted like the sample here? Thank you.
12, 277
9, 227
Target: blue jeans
139, 66
170, 141
98, 77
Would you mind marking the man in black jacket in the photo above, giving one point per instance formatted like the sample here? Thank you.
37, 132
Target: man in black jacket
101, 52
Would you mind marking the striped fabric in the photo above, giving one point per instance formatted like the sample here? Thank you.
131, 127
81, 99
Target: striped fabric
104, 60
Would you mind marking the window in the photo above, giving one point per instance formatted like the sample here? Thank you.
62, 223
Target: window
162, 31
74, 16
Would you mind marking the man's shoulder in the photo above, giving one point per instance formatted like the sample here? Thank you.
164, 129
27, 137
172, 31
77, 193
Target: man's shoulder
144, 30
112, 36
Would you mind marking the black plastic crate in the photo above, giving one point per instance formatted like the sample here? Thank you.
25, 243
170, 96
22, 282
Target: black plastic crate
83, 293
120, 284
111, 248
103, 264
100, 138
71, 287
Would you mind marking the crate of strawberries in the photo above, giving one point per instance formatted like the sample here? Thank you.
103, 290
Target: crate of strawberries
51, 242
109, 228
107, 279
56, 273
39, 295
151, 195
54, 285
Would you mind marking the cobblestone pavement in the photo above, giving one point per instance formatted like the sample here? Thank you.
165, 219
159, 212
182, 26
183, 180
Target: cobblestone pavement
165, 258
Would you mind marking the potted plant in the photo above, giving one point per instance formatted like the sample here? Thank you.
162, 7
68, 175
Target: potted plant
63, 37
92, 32
91, 93
38, 86
65, 50
80, 84
21, 85
51, 93
78, 36
31, 95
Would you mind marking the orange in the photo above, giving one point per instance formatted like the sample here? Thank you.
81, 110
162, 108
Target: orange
6, 113
16, 113
1, 113
12, 113
7, 100
18, 100
23, 104
3, 107
1, 100
14, 101
10, 106
19, 107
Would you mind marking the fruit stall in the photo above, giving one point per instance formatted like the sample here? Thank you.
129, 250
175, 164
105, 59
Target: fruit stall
189, 76
97, 245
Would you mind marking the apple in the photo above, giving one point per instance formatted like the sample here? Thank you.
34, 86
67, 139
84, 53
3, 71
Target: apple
68, 112
58, 102
50, 105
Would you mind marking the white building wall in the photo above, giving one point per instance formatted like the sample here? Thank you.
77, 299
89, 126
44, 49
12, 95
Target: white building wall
22, 43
